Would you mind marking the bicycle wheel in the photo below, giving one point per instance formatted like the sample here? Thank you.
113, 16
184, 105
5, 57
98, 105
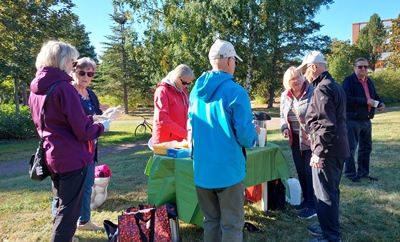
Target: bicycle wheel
140, 130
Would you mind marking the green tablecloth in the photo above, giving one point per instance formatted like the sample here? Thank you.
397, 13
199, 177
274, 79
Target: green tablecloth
172, 179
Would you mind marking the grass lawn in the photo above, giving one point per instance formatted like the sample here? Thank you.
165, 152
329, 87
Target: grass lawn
369, 211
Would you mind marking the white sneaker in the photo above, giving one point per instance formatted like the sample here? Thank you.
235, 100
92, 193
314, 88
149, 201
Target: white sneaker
88, 226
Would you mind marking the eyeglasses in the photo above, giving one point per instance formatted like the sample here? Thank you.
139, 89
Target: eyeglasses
74, 63
305, 69
82, 73
360, 67
236, 61
185, 83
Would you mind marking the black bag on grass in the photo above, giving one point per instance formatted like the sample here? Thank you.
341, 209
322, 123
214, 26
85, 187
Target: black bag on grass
276, 195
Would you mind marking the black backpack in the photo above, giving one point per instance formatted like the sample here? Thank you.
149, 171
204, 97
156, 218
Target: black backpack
276, 195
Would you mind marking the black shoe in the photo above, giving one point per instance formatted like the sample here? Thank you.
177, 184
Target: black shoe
354, 179
369, 178
315, 230
301, 206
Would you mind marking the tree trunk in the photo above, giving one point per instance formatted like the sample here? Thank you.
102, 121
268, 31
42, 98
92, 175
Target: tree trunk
16, 96
24, 94
250, 51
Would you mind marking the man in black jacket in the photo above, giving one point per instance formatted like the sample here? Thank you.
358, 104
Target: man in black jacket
326, 124
362, 100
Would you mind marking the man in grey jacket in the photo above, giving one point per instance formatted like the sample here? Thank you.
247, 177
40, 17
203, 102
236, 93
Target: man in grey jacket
326, 124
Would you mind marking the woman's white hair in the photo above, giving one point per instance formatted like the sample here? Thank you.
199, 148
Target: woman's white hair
291, 71
56, 54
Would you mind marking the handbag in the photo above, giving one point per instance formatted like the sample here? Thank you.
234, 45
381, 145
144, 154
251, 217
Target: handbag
38, 170
145, 223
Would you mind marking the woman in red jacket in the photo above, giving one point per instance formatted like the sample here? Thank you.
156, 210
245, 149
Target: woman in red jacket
171, 105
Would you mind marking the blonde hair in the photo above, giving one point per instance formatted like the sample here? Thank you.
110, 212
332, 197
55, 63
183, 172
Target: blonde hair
291, 71
179, 72
86, 62
56, 54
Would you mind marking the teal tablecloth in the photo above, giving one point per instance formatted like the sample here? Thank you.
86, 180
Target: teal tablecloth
171, 179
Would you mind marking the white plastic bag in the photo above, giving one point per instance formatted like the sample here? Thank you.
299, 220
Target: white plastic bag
99, 192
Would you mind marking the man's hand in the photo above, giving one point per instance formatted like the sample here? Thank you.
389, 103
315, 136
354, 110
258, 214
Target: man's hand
381, 107
370, 102
285, 133
316, 162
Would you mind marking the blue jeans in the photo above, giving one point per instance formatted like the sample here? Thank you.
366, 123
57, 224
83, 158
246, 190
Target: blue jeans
223, 211
87, 194
359, 133
301, 160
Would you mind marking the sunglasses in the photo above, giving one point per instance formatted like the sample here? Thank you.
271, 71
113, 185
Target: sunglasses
236, 61
185, 83
82, 73
360, 67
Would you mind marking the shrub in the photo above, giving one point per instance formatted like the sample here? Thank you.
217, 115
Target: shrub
387, 84
14, 126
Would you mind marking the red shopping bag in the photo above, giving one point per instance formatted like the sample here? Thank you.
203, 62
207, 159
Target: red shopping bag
254, 193
145, 223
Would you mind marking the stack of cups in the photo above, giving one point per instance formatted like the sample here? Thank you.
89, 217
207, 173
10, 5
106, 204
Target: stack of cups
262, 137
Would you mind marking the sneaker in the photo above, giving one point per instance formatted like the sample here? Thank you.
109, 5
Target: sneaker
321, 239
74, 239
88, 226
307, 213
300, 207
315, 230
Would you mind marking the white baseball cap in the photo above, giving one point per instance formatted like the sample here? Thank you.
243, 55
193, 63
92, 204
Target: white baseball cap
222, 49
312, 57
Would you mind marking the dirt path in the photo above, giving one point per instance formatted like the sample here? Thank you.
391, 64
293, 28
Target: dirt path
13, 167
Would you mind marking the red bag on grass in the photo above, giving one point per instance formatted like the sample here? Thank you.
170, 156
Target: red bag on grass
254, 193
145, 223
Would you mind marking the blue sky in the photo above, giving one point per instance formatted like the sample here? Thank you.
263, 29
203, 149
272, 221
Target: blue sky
337, 20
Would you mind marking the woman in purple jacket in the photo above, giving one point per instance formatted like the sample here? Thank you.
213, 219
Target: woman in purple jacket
68, 133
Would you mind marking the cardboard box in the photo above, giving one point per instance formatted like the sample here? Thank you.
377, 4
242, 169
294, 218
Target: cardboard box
177, 152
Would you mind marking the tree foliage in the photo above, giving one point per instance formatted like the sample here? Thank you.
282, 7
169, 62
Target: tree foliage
370, 40
266, 34
340, 59
25, 26
393, 45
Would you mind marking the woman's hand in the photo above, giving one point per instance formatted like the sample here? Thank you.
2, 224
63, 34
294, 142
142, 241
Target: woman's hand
104, 107
308, 142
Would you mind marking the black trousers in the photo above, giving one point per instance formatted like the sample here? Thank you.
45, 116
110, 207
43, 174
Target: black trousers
326, 182
68, 194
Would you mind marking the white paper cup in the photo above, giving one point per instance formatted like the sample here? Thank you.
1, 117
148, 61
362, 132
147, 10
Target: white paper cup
376, 104
261, 137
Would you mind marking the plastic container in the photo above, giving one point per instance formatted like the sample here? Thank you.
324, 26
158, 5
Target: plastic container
295, 191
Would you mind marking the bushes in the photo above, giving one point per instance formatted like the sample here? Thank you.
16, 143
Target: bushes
16, 127
387, 84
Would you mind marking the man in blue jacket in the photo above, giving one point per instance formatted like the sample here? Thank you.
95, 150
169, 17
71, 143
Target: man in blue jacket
221, 119
361, 98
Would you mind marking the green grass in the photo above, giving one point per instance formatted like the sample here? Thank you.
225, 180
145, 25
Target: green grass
369, 211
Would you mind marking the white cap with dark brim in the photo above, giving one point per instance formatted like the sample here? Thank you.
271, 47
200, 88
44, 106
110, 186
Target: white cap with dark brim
222, 49
312, 57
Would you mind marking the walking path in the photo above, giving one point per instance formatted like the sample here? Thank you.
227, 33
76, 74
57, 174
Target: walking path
13, 167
